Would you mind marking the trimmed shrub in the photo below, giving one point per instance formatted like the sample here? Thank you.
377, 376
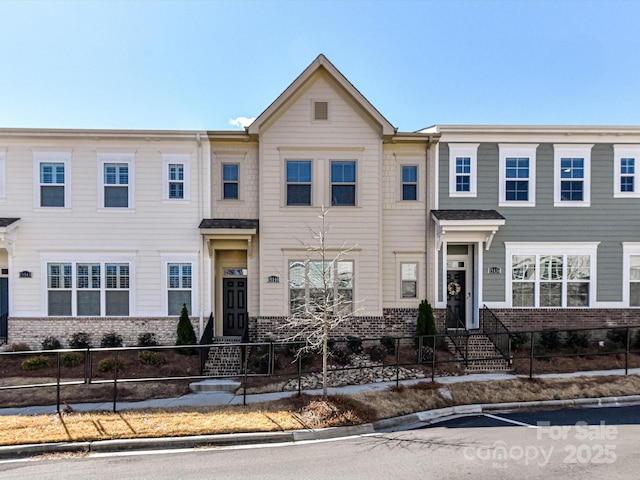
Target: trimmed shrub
341, 355
150, 358
549, 340
18, 347
578, 341
377, 353
389, 343
426, 322
107, 365
618, 336
36, 363
111, 340
71, 359
519, 340
51, 343
147, 340
354, 344
80, 340
186, 335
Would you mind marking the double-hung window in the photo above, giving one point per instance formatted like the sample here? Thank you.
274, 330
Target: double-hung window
626, 158
572, 175
175, 177
298, 174
179, 287
176, 180
116, 172
551, 276
409, 280
517, 175
409, 182
53, 188
230, 181
316, 286
343, 182
88, 288
463, 165
631, 274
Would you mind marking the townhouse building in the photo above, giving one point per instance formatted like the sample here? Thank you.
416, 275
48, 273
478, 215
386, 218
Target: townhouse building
104, 230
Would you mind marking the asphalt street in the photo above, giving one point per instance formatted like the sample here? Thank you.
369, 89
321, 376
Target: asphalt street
591, 443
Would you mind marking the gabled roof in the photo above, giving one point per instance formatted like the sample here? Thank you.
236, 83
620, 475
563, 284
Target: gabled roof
321, 62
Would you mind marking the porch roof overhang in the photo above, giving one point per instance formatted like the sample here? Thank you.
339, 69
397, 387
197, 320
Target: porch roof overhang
7, 233
218, 229
466, 226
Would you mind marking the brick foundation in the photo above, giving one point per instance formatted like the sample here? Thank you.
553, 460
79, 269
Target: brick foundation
33, 330
395, 322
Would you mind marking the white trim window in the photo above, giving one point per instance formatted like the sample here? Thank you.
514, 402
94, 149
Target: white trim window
548, 276
298, 176
463, 166
631, 274
116, 174
572, 175
230, 181
626, 160
53, 189
343, 182
175, 176
517, 175
310, 280
88, 288
409, 280
3, 172
179, 285
409, 182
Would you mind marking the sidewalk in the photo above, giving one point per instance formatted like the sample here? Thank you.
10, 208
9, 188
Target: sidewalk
213, 397
406, 422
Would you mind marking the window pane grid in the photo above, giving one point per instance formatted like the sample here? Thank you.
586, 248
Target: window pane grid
52, 173
409, 182
550, 280
116, 174
343, 183
298, 173
314, 284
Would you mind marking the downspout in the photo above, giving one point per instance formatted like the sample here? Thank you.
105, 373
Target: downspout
202, 245
427, 220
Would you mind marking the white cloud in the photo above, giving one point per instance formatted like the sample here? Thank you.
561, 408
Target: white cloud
241, 121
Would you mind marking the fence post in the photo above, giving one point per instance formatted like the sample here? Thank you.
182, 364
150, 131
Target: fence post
246, 368
626, 354
433, 358
300, 373
397, 362
58, 383
531, 357
88, 366
115, 382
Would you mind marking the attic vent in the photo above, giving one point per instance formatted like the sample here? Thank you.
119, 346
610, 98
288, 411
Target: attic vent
321, 111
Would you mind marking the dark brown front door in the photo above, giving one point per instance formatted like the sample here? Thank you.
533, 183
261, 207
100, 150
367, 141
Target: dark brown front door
234, 309
456, 308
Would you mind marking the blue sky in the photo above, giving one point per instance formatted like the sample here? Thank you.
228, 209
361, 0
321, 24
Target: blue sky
200, 64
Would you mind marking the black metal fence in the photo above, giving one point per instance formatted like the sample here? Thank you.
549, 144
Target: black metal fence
388, 359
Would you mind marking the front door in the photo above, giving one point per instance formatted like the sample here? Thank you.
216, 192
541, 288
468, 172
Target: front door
234, 309
456, 306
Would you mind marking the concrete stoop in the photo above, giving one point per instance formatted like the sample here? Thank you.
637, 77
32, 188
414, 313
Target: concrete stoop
215, 385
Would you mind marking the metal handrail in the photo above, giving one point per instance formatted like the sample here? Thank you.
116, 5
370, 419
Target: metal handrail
497, 332
459, 339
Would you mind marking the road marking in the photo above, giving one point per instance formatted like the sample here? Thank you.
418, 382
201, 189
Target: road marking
508, 420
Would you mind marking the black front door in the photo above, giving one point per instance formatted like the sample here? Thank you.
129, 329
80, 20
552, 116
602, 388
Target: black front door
456, 308
234, 308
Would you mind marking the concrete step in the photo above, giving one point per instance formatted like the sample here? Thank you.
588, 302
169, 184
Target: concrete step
215, 385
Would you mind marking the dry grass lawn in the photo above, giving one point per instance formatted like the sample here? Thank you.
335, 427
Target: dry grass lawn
300, 413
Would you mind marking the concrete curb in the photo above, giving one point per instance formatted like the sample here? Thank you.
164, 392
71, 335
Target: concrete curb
405, 422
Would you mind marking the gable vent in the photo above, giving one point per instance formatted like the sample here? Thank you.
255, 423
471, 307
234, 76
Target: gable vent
321, 111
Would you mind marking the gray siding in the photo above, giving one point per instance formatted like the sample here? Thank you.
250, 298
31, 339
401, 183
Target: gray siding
608, 220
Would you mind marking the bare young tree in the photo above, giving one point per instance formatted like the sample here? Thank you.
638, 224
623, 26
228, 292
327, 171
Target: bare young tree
321, 294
